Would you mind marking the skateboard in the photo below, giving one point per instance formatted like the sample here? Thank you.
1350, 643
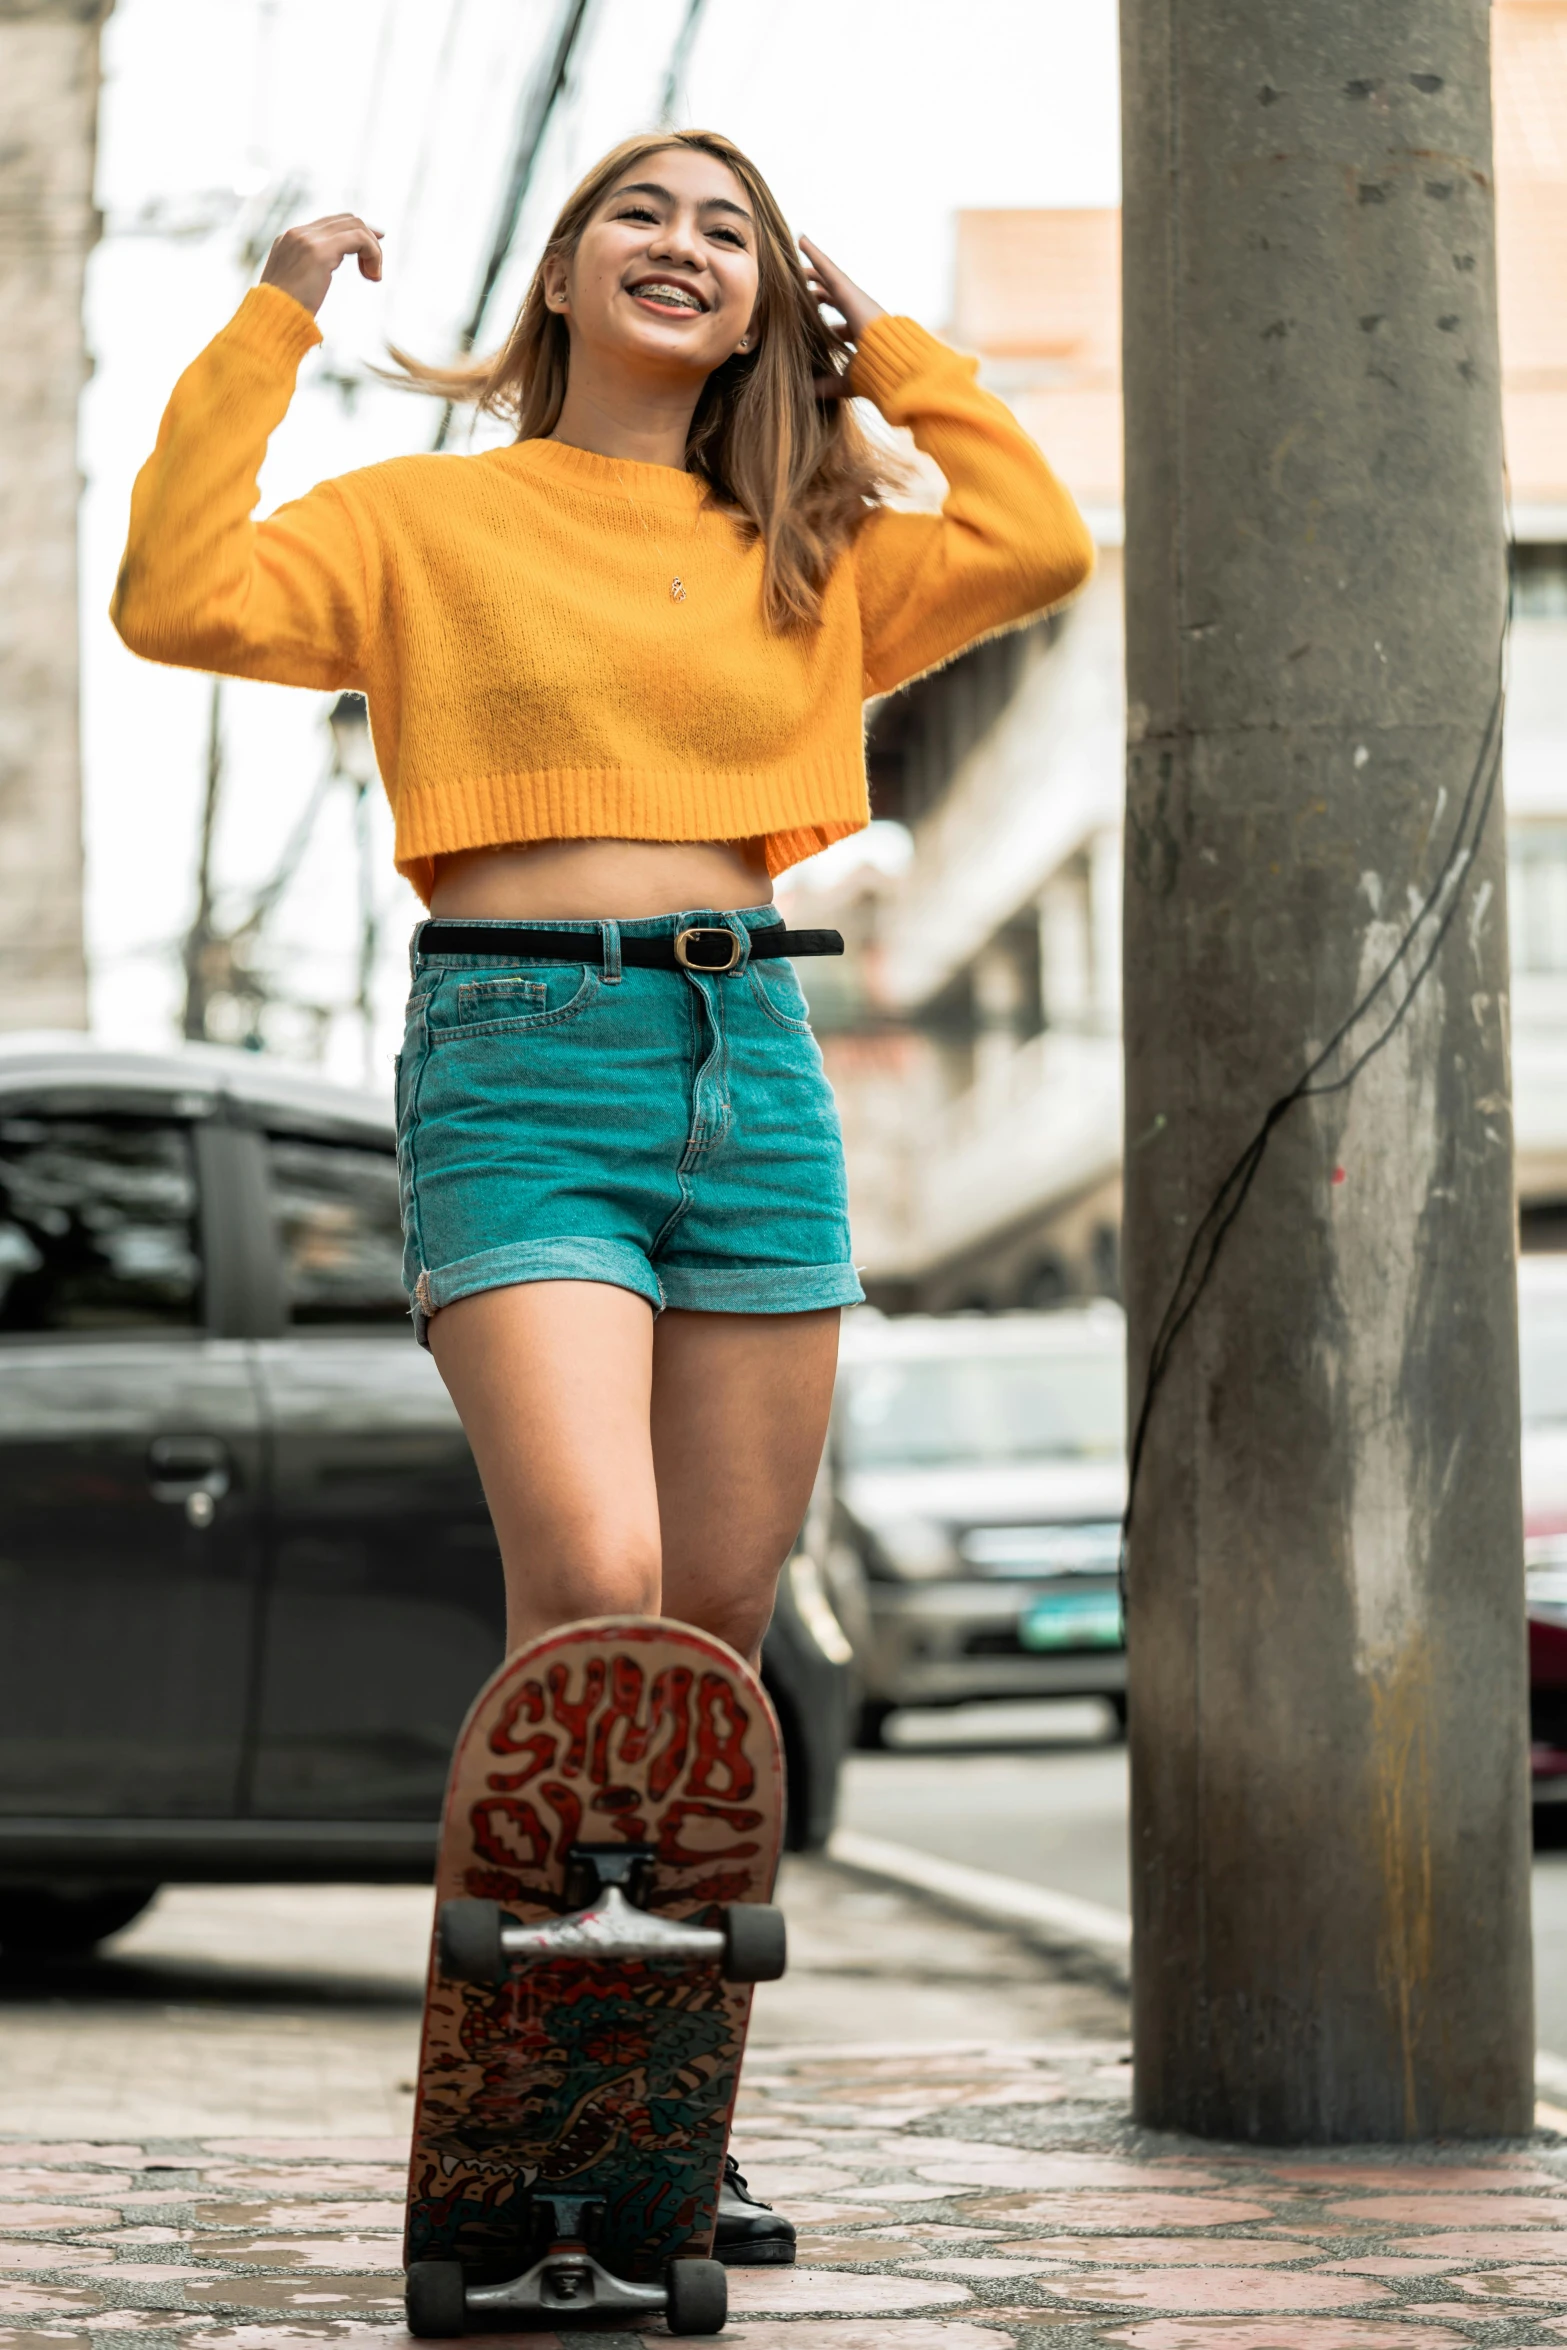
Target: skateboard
607, 1855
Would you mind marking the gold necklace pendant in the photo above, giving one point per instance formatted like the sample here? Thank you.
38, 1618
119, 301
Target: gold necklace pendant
677, 586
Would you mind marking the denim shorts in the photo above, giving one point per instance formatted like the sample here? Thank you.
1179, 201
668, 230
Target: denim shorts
669, 1132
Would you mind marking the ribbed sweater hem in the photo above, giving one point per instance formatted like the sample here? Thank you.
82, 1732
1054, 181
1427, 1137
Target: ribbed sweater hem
796, 813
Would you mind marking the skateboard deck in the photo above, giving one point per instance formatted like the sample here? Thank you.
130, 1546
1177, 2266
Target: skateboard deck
616, 1796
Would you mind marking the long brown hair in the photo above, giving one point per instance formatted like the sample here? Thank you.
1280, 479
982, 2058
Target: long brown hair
797, 470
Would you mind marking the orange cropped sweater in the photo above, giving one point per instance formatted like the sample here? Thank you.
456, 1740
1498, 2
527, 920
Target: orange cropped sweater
508, 614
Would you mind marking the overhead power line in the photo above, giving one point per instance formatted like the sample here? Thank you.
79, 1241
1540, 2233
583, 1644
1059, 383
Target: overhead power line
543, 94
197, 953
414, 194
224, 958
372, 115
679, 59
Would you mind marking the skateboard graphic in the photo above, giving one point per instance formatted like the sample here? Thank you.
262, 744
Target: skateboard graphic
607, 1855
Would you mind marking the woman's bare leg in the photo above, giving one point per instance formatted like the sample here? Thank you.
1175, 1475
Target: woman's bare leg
740, 1405
633, 1468
551, 1380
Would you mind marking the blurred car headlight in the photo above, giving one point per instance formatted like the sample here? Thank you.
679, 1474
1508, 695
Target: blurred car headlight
816, 1611
917, 1549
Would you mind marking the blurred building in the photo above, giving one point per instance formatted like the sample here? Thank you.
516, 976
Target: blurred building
974, 1033
1530, 40
48, 124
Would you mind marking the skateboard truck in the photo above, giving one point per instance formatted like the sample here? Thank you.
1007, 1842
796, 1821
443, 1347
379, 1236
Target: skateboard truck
479, 1943
568, 2282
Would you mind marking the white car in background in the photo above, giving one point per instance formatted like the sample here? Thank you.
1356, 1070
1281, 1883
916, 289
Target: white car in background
976, 1479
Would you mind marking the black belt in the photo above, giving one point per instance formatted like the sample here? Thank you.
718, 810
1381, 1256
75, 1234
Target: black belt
704, 947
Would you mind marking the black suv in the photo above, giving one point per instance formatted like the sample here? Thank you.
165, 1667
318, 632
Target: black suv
248, 1583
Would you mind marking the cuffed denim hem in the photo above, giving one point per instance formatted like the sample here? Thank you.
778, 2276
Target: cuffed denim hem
615, 1262
759, 1289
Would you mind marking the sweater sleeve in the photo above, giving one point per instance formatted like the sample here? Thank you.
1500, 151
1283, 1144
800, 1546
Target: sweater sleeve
1008, 542
201, 584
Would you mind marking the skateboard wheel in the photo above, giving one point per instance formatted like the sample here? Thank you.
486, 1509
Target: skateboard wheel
755, 1942
433, 2295
698, 2292
470, 1942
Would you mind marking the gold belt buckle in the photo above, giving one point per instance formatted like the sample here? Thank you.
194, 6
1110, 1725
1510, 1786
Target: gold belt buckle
683, 940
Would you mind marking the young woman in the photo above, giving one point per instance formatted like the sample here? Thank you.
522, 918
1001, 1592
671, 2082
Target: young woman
615, 673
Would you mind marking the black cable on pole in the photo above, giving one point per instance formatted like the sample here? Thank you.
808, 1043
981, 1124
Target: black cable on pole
679, 59
1438, 908
543, 94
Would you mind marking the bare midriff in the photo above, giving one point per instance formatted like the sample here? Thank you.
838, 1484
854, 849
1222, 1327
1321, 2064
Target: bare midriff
600, 880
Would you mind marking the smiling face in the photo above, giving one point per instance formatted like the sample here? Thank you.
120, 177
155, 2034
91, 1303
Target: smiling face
664, 277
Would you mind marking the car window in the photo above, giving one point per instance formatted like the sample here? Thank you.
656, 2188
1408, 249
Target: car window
340, 1230
981, 1408
97, 1224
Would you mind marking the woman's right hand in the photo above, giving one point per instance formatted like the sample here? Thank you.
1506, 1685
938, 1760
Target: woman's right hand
303, 260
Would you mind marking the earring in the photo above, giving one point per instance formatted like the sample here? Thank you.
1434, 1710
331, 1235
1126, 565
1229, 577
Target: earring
744, 344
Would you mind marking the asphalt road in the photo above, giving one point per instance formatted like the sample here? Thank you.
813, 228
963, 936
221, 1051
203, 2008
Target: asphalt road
1039, 1792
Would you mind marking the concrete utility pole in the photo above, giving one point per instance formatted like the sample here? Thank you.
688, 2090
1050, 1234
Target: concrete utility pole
1330, 1825
48, 126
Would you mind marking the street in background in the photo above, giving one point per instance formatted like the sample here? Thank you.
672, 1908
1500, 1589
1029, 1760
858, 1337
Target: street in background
978, 1474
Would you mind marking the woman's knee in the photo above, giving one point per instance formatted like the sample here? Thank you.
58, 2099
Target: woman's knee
738, 1618
616, 1573
624, 1586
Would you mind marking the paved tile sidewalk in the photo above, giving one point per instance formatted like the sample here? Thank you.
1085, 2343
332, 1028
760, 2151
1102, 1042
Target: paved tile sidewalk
949, 2197
230, 2009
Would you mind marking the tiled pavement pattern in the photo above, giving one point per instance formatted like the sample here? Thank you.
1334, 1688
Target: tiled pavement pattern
949, 2197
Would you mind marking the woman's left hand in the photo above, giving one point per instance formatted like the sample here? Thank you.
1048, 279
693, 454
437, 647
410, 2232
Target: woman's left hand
836, 292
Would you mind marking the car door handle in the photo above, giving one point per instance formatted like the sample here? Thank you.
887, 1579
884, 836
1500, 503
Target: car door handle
181, 1467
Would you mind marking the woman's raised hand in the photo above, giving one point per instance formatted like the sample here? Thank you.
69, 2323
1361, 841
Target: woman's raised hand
836, 292
303, 260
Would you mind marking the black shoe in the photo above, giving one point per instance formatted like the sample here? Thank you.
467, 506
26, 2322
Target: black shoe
749, 2234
